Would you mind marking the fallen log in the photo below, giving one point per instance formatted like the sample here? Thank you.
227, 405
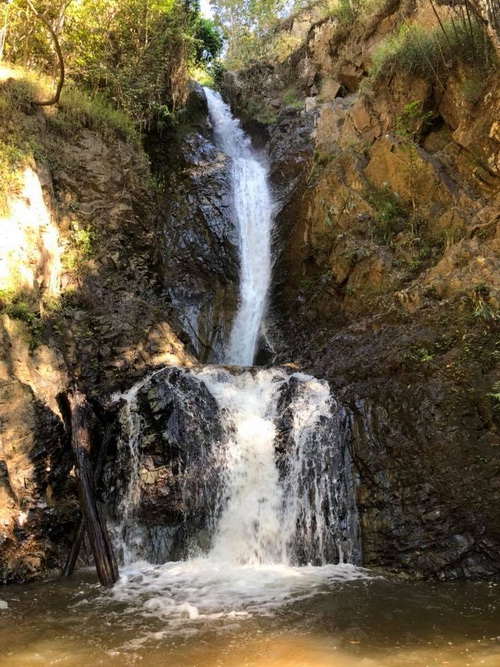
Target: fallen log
76, 546
105, 562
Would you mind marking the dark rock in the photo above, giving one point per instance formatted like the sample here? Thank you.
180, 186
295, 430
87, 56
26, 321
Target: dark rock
201, 260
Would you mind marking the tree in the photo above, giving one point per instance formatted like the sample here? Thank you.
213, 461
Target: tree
209, 40
244, 22
55, 98
134, 53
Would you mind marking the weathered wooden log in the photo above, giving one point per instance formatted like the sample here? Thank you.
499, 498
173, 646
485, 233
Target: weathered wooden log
70, 564
105, 562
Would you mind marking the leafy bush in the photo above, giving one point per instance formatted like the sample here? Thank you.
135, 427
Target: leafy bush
412, 120
349, 12
18, 307
391, 215
291, 98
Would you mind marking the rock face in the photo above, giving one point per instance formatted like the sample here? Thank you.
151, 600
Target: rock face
81, 302
386, 282
167, 484
201, 244
37, 495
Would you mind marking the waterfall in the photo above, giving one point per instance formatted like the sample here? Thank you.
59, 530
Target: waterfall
255, 461
253, 212
241, 475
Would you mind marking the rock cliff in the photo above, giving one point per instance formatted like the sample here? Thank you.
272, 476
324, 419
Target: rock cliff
92, 267
387, 274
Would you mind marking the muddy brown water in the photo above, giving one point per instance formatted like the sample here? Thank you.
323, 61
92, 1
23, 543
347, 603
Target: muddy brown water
366, 623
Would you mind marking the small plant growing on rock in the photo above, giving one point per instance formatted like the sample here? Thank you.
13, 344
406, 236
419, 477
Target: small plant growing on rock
81, 246
391, 216
18, 307
495, 395
412, 120
482, 307
291, 98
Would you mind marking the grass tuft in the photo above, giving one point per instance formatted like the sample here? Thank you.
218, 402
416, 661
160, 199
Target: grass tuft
77, 110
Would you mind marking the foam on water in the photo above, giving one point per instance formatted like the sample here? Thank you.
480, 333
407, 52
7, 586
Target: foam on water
204, 589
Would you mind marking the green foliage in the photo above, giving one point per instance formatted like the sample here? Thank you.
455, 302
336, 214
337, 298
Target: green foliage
216, 70
81, 247
345, 12
391, 216
17, 143
412, 120
482, 307
421, 354
18, 307
77, 110
267, 117
473, 85
495, 395
244, 23
12, 160
351, 12
133, 54
209, 40
291, 98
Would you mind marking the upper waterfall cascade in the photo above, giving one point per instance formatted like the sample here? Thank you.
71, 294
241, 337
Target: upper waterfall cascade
253, 212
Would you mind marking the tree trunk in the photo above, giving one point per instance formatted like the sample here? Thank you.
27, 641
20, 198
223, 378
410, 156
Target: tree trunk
107, 569
55, 98
482, 12
70, 564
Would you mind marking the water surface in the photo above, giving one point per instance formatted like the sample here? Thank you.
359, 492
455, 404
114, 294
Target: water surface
343, 623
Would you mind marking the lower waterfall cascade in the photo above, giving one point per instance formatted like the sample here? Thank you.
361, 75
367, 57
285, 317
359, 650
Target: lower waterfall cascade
274, 487
234, 481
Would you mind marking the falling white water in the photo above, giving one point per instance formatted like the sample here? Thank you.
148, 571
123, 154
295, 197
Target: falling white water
127, 533
249, 530
253, 209
272, 518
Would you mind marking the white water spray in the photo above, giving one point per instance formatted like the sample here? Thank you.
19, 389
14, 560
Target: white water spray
253, 210
271, 519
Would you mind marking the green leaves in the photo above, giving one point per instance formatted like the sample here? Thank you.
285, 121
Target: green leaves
135, 53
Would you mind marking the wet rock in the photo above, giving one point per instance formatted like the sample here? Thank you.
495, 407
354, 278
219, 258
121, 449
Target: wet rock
179, 477
37, 494
201, 256
178, 434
